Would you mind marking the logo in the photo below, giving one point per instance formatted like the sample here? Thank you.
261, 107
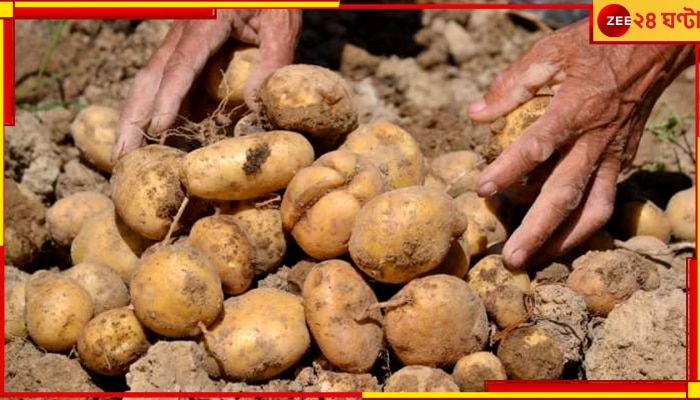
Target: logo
614, 20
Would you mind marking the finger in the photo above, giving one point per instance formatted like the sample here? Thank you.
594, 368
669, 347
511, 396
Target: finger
560, 195
199, 41
139, 103
279, 34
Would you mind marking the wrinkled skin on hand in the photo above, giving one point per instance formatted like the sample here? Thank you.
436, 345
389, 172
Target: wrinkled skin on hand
604, 95
161, 86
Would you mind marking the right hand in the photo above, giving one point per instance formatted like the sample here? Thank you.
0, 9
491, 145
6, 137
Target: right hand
160, 87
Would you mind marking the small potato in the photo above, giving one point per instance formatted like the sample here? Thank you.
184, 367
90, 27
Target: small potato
457, 170
321, 202
112, 341
25, 225
471, 372
106, 288
66, 216
57, 310
146, 189
681, 212
94, 131
262, 333
246, 167
404, 233
247, 125
309, 99
456, 263
487, 223
228, 71
435, 321
229, 249
640, 218
175, 289
105, 239
490, 273
510, 128
337, 303
529, 353
15, 305
391, 149
506, 306
419, 378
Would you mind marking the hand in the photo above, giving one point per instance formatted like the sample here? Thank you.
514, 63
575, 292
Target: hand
603, 97
160, 87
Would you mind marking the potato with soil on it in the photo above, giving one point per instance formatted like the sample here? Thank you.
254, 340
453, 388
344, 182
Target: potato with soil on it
94, 132
15, 306
262, 333
106, 288
105, 239
490, 273
607, 278
321, 202
506, 305
245, 167
57, 310
309, 99
419, 378
66, 216
488, 221
456, 263
391, 149
227, 72
112, 341
435, 321
175, 290
530, 354
338, 305
681, 212
457, 171
25, 225
642, 218
404, 233
471, 372
228, 248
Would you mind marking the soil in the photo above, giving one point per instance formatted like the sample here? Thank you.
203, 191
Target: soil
416, 69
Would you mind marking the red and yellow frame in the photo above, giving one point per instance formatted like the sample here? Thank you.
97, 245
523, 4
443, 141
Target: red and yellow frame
12, 10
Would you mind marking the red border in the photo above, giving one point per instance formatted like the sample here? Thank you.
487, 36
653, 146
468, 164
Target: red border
9, 72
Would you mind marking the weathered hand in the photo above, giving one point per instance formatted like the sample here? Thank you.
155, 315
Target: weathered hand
160, 87
603, 97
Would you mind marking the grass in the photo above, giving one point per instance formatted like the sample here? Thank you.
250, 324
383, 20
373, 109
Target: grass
673, 131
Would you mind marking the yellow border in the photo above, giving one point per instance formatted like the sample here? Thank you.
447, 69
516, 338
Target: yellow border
184, 4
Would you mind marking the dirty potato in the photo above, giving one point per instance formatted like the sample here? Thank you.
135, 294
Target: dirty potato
419, 378
94, 132
66, 216
506, 305
490, 273
457, 171
471, 372
681, 212
487, 221
227, 72
106, 288
529, 353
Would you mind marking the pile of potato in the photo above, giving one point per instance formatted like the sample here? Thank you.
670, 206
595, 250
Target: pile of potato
177, 248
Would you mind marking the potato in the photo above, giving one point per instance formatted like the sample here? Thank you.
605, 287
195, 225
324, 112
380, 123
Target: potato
228, 248
309, 99
105, 239
419, 378
112, 341
146, 189
456, 263
404, 233
490, 273
471, 372
321, 202
529, 353
642, 217
434, 183
391, 149
94, 132
106, 288
681, 212
262, 333
15, 305
506, 306
247, 125
57, 310
66, 216
246, 167
457, 170
337, 304
25, 225
435, 321
487, 224
643, 244
505, 131
227, 72
606, 278
175, 289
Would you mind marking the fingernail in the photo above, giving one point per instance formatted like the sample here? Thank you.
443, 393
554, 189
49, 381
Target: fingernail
487, 189
477, 107
517, 259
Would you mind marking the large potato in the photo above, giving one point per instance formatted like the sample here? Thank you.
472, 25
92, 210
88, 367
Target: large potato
25, 225
261, 334
487, 221
404, 233
246, 167
490, 273
681, 212
393, 150
226, 73
57, 310
66, 216
435, 321
94, 131
15, 305
321, 202
337, 303
175, 290
457, 171
106, 288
